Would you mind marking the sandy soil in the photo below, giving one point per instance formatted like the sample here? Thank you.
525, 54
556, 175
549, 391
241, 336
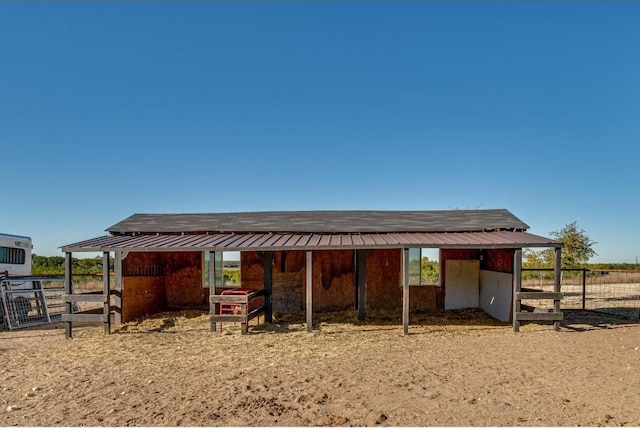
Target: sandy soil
456, 369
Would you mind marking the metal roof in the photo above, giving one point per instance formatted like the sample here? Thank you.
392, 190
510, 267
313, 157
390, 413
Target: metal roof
311, 222
310, 241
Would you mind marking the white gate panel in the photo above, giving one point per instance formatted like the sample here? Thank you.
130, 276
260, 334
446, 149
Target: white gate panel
462, 284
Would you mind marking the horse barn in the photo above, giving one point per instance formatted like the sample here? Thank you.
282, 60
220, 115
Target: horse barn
313, 261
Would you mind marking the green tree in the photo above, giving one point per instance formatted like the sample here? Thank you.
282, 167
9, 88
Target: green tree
429, 272
54, 265
577, 248
534, 259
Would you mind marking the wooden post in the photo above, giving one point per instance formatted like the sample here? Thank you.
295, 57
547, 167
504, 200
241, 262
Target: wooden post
212, 288
117, 271
361, 275
244, 325
405, 291
584, 288
309, 291
557, 273
267, 260
106, 309
517, 286
68, 290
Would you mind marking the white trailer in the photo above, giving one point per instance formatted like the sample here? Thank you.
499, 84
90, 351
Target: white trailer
15, 255
25, 300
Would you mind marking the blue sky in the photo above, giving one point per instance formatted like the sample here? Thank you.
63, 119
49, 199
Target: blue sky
109, 109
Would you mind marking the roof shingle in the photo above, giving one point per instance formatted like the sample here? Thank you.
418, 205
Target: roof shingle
322, 222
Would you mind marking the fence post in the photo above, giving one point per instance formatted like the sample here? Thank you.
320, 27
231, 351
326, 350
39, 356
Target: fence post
68, 291
557, 285
584, 289
106, 290
517, 286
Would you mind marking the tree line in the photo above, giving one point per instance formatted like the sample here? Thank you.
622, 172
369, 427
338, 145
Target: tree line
54, 265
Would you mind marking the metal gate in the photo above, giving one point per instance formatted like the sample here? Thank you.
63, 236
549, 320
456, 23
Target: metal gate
28, 301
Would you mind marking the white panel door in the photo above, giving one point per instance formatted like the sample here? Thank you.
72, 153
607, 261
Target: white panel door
462, 284
496, 294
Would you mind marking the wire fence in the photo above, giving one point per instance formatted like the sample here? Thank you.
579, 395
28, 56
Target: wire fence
30, 301
615, 292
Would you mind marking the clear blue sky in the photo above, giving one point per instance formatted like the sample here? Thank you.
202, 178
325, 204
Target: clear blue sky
109, 109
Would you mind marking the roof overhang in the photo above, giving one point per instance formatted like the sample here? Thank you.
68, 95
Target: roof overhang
310, 241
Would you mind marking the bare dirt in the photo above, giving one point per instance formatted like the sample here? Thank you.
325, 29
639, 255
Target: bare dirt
454, 369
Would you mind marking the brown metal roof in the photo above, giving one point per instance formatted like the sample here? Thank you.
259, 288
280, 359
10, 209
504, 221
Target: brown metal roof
310, 241
338, 222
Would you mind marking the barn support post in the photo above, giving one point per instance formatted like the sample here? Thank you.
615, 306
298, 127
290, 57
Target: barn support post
106, 309
517, 285
267, 259
212, 287
68, 290
361, 279
309, 284
557, 272
118, 303
405, 291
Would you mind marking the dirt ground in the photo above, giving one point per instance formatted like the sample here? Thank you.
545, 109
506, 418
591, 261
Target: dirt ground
454, 369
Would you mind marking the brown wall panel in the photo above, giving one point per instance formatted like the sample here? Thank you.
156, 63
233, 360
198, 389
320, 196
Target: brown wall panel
296, 260
143, 264
384, 287
287, 291
333, 280
183, 280
422, 297
497, 260
251, 270
142, 295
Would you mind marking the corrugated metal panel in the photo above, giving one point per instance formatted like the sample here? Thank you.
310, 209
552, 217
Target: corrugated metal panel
288, 241
262, 239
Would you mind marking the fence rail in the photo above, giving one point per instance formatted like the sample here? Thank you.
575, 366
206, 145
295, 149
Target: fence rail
616, 292
32, 300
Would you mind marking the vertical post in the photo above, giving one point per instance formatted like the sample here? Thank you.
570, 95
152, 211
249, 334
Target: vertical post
212, 287
309, 291
283, 261
244, 306
517, 286
584, 289
117, 271
405, 291
267, 259
557, 272
41, 302
361, 275
68, 290
107, 290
